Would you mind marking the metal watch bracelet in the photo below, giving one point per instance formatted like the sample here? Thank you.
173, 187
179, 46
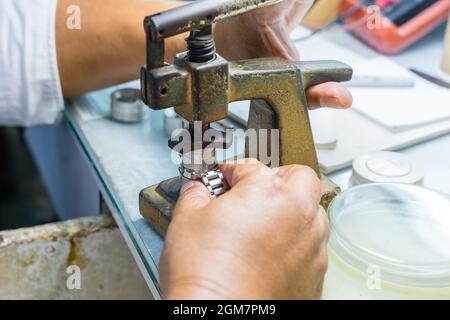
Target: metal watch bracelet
214, 182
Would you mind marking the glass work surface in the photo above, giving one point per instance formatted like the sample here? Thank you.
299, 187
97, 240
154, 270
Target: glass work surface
128, 158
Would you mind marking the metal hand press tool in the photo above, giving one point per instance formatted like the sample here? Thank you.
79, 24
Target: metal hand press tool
200, 84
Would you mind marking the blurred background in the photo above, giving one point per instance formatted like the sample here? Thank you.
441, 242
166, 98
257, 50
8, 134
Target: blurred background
23, 198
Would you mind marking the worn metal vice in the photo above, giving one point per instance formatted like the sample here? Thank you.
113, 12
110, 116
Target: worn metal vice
200, 85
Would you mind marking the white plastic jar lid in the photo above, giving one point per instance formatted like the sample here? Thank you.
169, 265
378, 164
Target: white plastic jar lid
402, 229
386, 166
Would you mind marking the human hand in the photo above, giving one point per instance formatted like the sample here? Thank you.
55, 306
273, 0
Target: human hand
265, 33
266, 238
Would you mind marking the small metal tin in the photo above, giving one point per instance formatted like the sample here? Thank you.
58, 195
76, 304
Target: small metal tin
126, 105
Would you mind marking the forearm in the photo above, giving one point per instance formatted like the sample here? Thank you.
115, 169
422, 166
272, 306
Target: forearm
109, 48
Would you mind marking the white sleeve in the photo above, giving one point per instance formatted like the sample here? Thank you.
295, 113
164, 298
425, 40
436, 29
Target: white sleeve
30, 90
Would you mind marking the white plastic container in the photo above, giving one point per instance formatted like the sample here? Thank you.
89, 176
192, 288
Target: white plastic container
389, 241
386, 167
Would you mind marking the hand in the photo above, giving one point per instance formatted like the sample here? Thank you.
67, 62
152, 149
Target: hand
265, 33
266, 238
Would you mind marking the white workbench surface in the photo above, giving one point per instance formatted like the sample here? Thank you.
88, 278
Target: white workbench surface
128, 158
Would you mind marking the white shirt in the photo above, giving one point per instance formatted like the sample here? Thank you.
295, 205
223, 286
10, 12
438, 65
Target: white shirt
30, 89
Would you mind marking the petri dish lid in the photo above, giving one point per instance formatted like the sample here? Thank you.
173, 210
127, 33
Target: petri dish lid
402, 229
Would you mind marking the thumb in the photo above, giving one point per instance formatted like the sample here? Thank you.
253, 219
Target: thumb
193, 196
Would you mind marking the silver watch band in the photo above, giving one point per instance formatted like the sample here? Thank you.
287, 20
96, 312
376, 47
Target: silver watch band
214, 182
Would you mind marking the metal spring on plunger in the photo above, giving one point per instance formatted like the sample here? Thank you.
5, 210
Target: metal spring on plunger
201, 47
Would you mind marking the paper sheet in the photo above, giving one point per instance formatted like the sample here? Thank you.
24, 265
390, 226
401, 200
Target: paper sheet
400, 109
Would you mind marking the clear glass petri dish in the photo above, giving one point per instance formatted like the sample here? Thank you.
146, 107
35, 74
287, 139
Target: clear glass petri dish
401, 230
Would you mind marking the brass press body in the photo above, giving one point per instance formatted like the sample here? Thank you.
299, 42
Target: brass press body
200, 84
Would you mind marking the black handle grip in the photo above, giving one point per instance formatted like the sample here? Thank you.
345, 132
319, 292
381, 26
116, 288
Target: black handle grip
197, 14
